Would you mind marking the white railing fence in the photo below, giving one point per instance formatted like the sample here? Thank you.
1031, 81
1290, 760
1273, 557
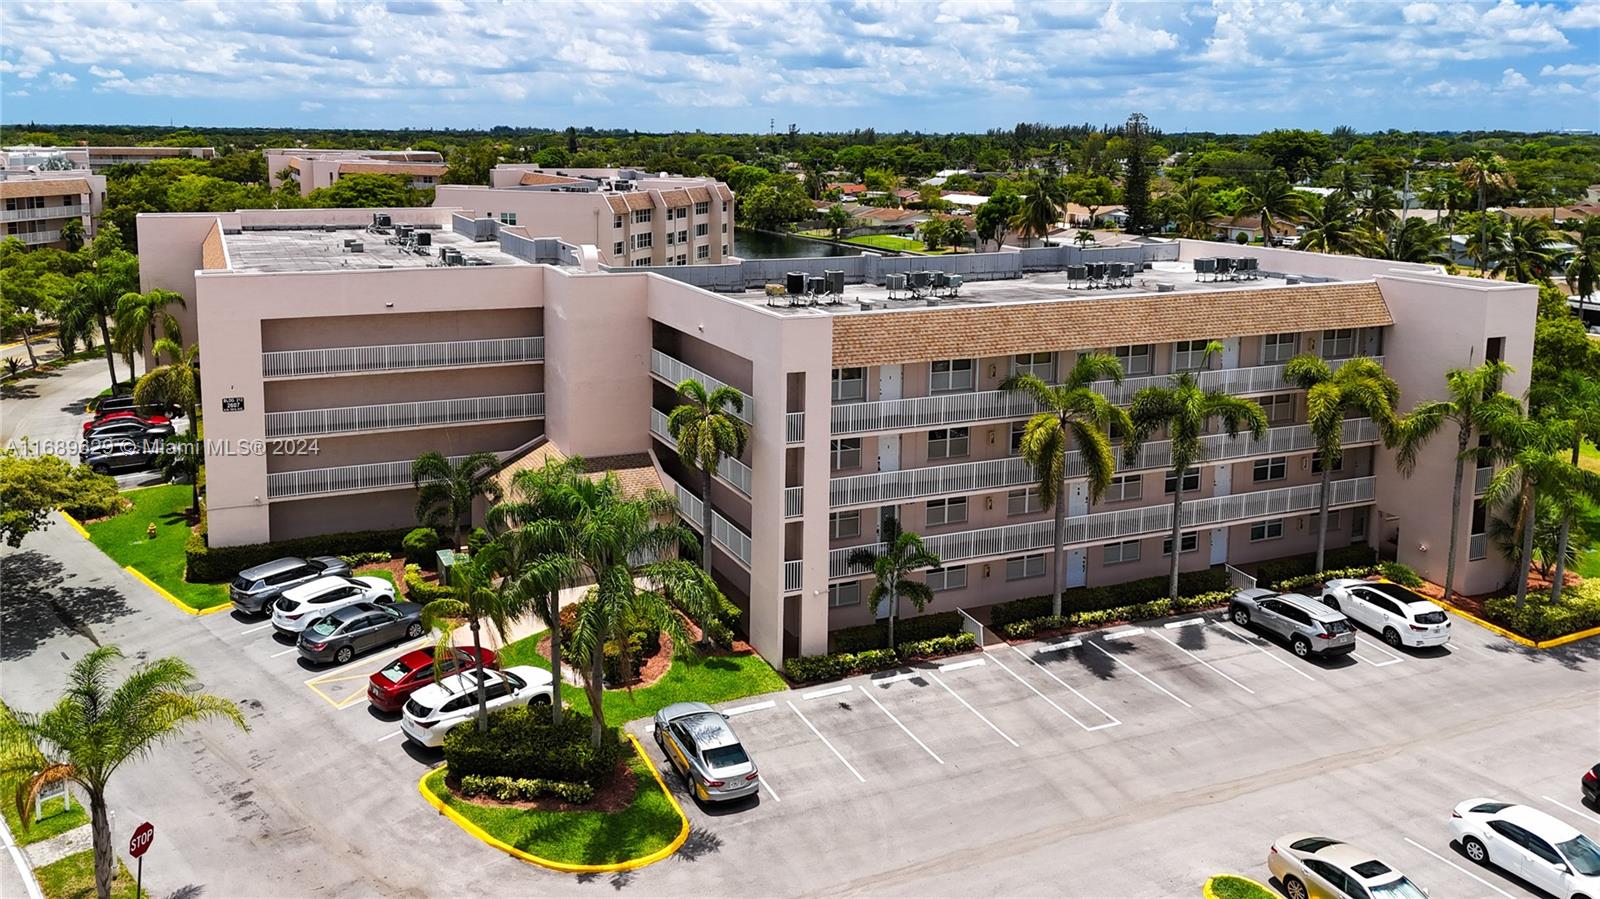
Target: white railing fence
391, 416
400, 356
736, 473
675, 372
723, 532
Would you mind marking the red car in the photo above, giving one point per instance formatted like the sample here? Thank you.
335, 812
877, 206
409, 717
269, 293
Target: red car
108, 418
387, 690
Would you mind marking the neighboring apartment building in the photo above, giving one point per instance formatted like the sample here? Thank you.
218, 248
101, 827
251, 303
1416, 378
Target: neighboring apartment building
632, 218
41, 189
346, 365
312, 169
102, 158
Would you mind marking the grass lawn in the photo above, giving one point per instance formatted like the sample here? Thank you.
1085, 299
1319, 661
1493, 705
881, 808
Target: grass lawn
706, 679
53, 822
122, 537
1227, 886
73, 878
579, 838
1589, 457
888, 242
384, 573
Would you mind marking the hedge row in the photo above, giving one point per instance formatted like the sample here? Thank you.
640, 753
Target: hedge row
1357, 555
524, 789
419, 590
212, 564
908, 630
1111, 596
1295, 584
522, 743
1155, 608
1540, 619
806, 669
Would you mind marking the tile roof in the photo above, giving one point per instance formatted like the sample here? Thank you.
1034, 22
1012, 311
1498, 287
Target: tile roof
387, 168
675, 197
700, 194
723, 191
635, 472
540, 179
918, 335
42, 187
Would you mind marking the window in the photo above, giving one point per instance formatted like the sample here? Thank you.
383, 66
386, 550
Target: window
1024, 502
1333, 520
1266, 530
844, 525
1020, 568
1118, 553
849, 385
1316, 463
642, 263
508, 218
672, 239
952, 578
1358, 526
947, 443
1279, 408
724, 205
1125, 487
681, 260
702, 208
1018, 428
641, 241
951, 375
1277, 348
947, 511
683, 212
1338, 343
1191, 481
1477, 546
702, 252
617, 248
1494, 349
1135, 359
616, 221
1190, 542
724, 246
702, 230
1189, 355
846, 453
847, 594
1273, 469
1040, 365
683, 237
641, 216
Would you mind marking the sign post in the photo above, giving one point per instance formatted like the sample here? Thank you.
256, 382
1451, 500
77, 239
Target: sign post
143, 836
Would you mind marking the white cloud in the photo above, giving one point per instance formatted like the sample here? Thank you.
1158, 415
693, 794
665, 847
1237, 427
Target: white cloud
309, 106
99, 72
1511, 79
1570, 70
1584, 15
62, 79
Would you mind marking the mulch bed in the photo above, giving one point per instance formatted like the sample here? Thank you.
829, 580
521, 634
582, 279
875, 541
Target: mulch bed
615, 795
1477, 604
395, 567
654, 668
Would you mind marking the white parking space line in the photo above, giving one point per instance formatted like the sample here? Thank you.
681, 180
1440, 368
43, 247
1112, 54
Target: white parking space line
1569, 808
957, 666
1258, 648
1393, 659
819, 694
768, 787
895, 678
1136, 671
974, 711
1184, 623
746, 709
1036, 692
259, 627
898, 724
1052, 675
1122, 634
836, 753
1459, 868
390, 735
286, 651
1213, 668
1055, 647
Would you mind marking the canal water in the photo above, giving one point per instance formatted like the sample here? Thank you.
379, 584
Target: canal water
750, 244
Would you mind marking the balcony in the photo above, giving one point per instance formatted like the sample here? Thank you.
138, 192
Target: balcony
37, 238
996, 405
1477, 547
1103, 527
735, 473
400, 357
723, 532
999, 474
793, 576
398, 416
1481, 479
794, 428
793, 501
342, 479
77, 210
674, 373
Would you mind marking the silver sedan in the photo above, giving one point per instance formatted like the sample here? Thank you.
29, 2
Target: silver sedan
701, 745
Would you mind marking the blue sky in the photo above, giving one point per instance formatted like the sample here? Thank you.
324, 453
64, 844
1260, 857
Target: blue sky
1226, 65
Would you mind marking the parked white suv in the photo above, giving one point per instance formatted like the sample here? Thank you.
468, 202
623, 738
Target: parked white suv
1545, 851
436, 709
1400, 616
299, 606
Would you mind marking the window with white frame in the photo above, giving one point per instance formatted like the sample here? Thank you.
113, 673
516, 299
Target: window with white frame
1024, 502
618, 248
724, 246
1189, 355
682, 212
642, 216
952, 577
1279, 408
947, 511
1276, 348
844, 525
702, 252
948, 443
642, 263
616, 221
1040, 365
1118, 553
1018, 428
671, 238
683, 237
1125, 487
845, 594
1191, 481
1020, 568
683, 259
508, 218
1135, 358
702, 208
1273, 469
951, 375
849, 385
643, 240
846, 453
1316, 463
702, 230
1266, 530
1189, 541
1338, 343
724, 205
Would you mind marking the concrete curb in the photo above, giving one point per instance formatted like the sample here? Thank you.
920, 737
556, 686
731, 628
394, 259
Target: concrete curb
162, 592
30, 883
564, 867
76, 526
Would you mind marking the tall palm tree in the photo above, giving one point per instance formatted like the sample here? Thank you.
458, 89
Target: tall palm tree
140, 313
1475, 400
1436, 192
1194, 211
175, 384
1481, 171
1377, 204
87, 308
1583, 271
1413, 240
446, 489
1488, 235
1573, 398
1332, 226
97, 727
1347, 182
1271, 198
1527, 253
1071, 414
708, 429
1359, 385
1041, 207
479, 592
903, 554
1185, 409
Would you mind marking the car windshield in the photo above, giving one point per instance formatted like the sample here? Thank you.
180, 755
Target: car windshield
726, 756
1583, 854
1338, 626
395, 673
1313, 844
1430, 618
1399, 889
324, 627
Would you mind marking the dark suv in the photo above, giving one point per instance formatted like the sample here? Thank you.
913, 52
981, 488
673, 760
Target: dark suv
254, 590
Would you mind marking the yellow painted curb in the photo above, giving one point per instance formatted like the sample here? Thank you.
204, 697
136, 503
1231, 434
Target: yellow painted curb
629, 865
162, 592
76, 526
1518, 638
1569, 638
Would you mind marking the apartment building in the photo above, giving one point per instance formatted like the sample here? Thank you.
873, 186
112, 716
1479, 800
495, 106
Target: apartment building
38, 204
346, 364
423, 169
632, 218
98, 159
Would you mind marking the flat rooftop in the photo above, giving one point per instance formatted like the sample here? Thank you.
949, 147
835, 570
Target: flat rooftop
312, 250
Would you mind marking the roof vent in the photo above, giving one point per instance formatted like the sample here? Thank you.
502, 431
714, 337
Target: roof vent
1165, 287
868, 305
1291, 279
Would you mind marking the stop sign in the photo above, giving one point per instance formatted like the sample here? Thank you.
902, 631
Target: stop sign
143, 836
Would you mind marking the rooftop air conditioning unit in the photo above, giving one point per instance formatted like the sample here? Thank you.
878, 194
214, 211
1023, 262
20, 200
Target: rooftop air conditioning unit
357, 246
1291, 279
1165, 287
424, 238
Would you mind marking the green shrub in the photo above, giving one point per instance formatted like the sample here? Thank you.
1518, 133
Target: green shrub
1317, 578
358, 560
522, 743
938, 646
1541, 619
211, 564
524, 789
1088, 599
1357, 555
1404, 575
806, 669
419, 590
91, 495
477, 540
1155, 608
906, 630
420, 545
1227, 886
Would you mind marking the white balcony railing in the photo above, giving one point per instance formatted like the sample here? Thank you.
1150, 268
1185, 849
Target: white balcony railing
1101, 527
736, 473
1481, 479
723, 532
793, 576
1477, 547
401, 356
795, 427
999, 474
793, 501
77, 210
342, 479
674, 372
996, 405
37, 238
395, 416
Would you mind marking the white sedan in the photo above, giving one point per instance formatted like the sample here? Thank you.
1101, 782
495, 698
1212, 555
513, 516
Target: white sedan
1545, 851
1313, 867
1401, 617
299, 606
436, 709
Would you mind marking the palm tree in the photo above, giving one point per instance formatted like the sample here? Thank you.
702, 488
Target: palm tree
479, 592
1490, 236
1332, 226
1436, 192
175, 384
708, 429
139, 313
1414, 240
1527, 253
1480, 171
1071, 413
94, 729
87, 308
1583, 272
446, 490
1272, 199
903, 554
1184, 409
1347, 182
1377, 205
1193, 214
1475, 400
1573, 398
1359, 385
1041, 208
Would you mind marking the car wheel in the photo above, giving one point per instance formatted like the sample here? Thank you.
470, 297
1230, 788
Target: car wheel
415, 630
344, 654
1301, 646
1242, 616
1391, 637
542, 699
1475, 850
98, 468
1294, 888
1331, 603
